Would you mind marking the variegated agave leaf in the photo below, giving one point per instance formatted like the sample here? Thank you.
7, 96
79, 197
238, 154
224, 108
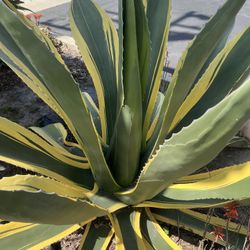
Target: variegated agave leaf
136, 148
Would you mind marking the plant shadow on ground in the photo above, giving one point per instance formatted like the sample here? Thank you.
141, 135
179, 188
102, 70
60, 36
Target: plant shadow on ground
188, 30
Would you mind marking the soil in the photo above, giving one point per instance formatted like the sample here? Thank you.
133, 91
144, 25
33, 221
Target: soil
19, 104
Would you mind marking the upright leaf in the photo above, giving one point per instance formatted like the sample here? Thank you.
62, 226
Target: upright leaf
120, 64
189, 66
158, 16
126, 224
228, 69
231, 74
127, 142
97, 40
42, 66
143, 44
193, 147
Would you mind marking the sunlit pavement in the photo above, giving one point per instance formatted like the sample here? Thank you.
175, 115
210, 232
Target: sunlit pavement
188, 18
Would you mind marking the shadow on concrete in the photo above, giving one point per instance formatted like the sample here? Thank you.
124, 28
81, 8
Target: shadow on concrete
169, 70
52, 23
183, 22
63, 27
113, 13
180, 36
114, 16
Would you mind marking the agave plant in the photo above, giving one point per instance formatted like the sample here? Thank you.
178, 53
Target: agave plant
17, 3
134, 154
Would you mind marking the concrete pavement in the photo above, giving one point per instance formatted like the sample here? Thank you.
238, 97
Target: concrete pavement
188, 17
39, 5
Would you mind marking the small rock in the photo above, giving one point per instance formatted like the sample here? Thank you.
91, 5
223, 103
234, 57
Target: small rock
2, 168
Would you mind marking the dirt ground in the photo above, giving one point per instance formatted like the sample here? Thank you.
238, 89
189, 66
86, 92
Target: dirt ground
19, 104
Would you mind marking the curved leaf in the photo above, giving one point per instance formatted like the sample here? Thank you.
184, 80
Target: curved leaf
158, 15
56, 135
193, 147
97, 39
94, 111
96, 237
47, 208
217, 221
189, 66
36, 183
233, 71
155, 115
160, 201
106, 202
21, 155
232, 62
203, 228
154, 234
17, 235
126, 224
28, 138
22, 49
231, 184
